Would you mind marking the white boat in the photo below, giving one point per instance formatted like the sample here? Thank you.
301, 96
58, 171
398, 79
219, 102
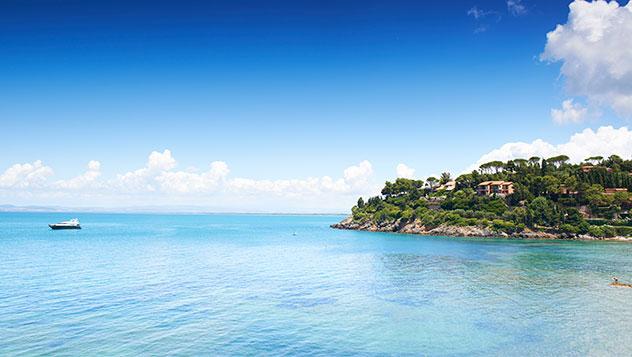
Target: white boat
72, 224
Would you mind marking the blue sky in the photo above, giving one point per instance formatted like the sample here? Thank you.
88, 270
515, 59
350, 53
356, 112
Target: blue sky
276, 89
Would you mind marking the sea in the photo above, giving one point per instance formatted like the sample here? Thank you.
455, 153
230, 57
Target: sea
285, 285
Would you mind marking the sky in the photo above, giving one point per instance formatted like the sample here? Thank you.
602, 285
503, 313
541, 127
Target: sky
296, 106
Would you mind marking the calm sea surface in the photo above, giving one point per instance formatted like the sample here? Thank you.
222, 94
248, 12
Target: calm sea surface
282, 285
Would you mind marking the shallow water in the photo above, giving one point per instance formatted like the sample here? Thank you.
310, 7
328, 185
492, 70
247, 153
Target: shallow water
246, 285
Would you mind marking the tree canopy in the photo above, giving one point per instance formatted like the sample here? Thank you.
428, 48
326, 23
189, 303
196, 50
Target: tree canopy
549, 193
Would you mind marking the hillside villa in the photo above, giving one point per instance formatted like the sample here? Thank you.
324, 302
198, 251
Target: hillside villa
448, 186
612, 191
567, 191
589, 168
501, 188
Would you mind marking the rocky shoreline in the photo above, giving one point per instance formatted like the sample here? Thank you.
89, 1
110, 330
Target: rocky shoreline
416, 227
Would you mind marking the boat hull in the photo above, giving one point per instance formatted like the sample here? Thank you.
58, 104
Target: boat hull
57, 227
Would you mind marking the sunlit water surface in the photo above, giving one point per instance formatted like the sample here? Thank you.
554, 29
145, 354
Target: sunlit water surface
273, 285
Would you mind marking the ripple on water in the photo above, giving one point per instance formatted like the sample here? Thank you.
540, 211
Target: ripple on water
244, 285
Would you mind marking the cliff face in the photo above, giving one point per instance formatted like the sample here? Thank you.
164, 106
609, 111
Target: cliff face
415, 227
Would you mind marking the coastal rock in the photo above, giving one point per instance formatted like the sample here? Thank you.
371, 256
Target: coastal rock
416, 227
349, 223
465, 231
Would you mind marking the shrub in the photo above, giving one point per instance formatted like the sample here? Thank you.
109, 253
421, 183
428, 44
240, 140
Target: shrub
609, 231
596, 231
569, 228
453, 219
496, 206
407, 214
621, 222
583, 227
543, 212
504, 226
380, 216
624, 231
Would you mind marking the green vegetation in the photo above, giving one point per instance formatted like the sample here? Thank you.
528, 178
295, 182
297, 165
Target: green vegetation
549, 195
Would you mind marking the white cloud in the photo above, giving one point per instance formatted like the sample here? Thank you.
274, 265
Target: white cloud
477, 13
516, 7
595, 51
187, 182
481, 29
603, 142
293, 187
83, 180
355, 180
483, 18
27, 175
359, 174
157, 176
569, 113
143, 179
161, 160
404, 171
133, 181
158, 183
94, 165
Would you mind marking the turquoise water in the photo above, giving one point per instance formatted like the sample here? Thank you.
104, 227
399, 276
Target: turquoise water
274, 285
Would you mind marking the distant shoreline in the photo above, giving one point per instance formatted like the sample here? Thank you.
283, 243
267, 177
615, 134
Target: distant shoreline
175, 211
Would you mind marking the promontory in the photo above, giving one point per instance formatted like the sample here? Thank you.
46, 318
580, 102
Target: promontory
528, 198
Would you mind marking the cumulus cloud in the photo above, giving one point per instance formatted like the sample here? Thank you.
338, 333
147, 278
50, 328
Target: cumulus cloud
92, 173
94, 165
604, 141
159, 181
278, 187
355, 180
516, 7
144, 179
158, 176
404, 171
187, 182
358, 175
569, 113
29, 175
161, 160
595, 52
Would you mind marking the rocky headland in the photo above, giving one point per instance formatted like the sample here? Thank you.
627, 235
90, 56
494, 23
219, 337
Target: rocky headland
416, 227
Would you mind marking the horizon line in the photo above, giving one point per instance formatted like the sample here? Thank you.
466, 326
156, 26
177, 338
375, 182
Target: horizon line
9, 208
